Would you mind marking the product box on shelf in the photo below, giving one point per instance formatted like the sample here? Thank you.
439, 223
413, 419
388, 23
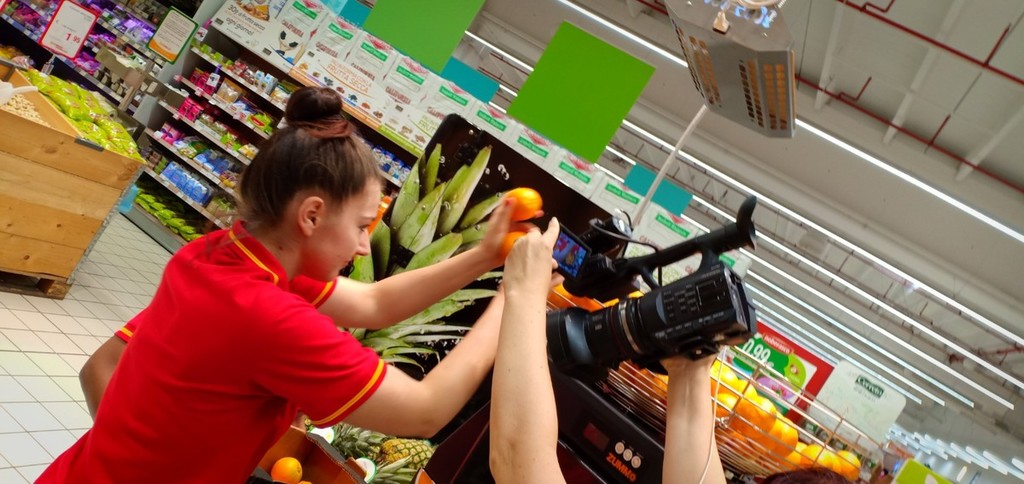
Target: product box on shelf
613, 195
321, 463
664, 229
59, 190
579, 174
277, 29
329, 46
494, 121
444, 98
407, 84
534, 147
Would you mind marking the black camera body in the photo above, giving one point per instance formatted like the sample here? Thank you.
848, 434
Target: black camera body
694, 316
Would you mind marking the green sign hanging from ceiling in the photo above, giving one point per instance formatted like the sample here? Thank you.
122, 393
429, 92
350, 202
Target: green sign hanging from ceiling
428, 32
580, 91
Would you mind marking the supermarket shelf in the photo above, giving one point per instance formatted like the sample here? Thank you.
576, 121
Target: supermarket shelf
223, 107
206, 134
24, 29
36, 9
196, 166
192, 203
141, 50
255, 90
156, 230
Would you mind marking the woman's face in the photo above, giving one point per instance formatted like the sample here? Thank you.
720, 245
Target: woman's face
343, 234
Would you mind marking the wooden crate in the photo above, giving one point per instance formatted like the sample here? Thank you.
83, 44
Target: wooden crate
55, 194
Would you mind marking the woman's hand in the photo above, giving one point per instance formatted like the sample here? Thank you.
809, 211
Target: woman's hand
499, 225
529, 265
682, 368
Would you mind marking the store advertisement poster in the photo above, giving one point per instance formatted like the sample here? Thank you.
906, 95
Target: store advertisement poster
328, 47
407, 84
803, 369
68, 28
443, 98
865, 402
914, 472
172, 35
533, 146
494, 121
277, 29
579, 174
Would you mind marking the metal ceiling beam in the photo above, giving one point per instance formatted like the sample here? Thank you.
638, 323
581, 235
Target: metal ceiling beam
825, 79
952, 16
975, 157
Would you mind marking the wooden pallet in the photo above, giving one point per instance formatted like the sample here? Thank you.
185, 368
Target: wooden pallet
34, 286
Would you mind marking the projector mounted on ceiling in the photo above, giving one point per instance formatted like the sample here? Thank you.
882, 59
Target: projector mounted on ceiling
740, 54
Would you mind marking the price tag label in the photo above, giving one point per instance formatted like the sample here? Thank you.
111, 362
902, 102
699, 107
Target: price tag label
68, 29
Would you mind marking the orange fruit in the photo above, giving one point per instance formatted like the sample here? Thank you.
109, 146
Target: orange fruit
510, 240
758, 414
287, 470
528, 203
783, 437
797, 459
849, 463
820, 456
724, 404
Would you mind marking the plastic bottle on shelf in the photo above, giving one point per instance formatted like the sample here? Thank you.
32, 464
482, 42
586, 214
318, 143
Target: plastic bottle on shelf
125, 205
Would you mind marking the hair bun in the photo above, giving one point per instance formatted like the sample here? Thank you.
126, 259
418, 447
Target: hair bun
318, 110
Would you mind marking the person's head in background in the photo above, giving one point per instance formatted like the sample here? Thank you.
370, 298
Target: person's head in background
313, 189
817, 475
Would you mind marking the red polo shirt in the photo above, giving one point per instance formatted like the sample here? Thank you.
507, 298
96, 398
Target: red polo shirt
220, 362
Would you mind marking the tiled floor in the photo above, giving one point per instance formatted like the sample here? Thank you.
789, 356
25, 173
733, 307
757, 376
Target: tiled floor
44, 343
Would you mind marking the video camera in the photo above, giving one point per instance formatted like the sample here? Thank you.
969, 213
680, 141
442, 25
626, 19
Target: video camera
693, 316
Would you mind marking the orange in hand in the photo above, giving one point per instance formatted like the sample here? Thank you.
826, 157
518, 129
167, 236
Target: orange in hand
287, 470
527, 203
510, 240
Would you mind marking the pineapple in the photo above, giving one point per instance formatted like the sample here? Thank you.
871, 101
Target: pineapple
355, 442
417, 451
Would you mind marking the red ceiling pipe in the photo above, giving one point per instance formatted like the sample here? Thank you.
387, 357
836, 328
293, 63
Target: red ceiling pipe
984, 64
1004, 352
843, 98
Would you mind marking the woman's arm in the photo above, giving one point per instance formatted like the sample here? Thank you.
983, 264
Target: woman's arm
98, 369
383, 303
689, 423
524, 420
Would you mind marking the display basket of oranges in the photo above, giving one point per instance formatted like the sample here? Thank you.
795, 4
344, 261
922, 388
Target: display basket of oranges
754, 437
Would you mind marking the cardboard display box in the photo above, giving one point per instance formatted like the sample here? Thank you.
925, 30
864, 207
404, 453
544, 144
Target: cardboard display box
55, 194
321, 463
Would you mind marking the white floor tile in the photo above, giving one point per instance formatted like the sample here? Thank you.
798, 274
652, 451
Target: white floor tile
9, 321
16, 363
67, 324
99, 309
75, 361
71, 386
123, 313
87, 344
3, 463
134, 275
85, 279
26, 340
127, 299
60, 343
82, 293
11, 391
43, 389
106, 296
21, 449
74, 308
52, 365
6, 344
54, 441
11, 476
94, 326
31, 473
112, 271
45, 305
35, 321
70, 414
8, 424
78, 433
15, 301
114, 325
97, 257
109, 284
32, 416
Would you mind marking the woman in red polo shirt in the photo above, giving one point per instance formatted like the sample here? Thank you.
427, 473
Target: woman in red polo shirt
228, 350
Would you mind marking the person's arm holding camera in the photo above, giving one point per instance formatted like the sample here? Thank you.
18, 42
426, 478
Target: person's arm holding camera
524, 421
689, 423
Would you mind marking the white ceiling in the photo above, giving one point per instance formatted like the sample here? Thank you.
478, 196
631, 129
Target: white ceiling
965, 260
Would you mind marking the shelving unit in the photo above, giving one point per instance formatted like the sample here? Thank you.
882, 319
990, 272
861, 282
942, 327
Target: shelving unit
140, 50
254, 89
192, 163
223, 107
192, 203
205, 133
149, 224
